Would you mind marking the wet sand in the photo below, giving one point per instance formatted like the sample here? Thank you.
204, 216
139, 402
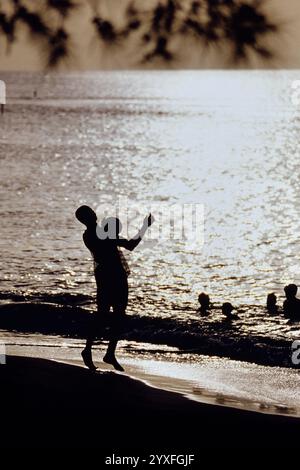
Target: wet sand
214, 380
54, 405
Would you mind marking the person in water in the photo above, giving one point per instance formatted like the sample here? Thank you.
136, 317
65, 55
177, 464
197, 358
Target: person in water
227, 309
272, 306
111, 272
291, 306
204, 302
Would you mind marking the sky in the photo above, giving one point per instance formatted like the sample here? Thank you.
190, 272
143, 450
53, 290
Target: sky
88, 53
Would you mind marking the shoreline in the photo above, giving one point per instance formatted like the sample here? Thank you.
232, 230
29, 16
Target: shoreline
175, 381
43, 395
217, 338
204, 379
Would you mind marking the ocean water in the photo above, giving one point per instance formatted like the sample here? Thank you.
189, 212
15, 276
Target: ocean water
227, 141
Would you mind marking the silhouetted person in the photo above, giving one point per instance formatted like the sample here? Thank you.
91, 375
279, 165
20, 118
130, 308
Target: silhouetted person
111, 271
204, 302
291, 306
227, 309
272, 306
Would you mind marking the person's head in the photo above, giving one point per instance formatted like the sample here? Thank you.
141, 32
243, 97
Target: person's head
204, 300
111, 227
271, 300
290, 291
227, 309
86, 216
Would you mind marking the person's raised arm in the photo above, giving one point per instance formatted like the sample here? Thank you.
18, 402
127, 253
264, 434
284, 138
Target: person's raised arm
133, 242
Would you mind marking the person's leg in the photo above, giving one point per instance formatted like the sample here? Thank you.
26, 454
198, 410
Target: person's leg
93, 328
110, 356
116, 328
86, 355
89, 342
96, 325
117, 322
87, 351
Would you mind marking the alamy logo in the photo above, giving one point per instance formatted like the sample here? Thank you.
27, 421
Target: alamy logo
296, 352
295, 97
2, 354
172, 221
2, 92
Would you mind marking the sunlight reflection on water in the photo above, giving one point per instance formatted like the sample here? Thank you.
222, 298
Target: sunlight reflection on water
223, 139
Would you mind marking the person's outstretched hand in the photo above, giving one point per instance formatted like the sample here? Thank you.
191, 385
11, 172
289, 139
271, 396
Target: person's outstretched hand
148, 220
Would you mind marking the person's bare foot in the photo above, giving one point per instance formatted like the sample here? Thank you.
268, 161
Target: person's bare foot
113, 362
86, 355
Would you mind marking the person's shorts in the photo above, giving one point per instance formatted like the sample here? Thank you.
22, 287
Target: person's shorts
112, 292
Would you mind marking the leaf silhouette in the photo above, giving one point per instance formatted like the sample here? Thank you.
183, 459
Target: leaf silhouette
105, 29
64, 7
34, 21
239, 25
58, 47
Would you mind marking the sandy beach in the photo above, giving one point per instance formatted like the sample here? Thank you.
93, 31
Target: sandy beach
52, 405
